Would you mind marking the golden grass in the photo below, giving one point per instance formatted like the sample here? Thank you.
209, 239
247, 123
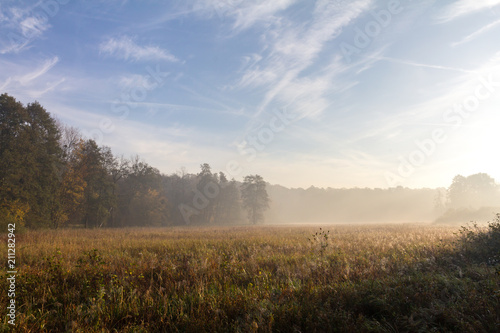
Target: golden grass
245, 278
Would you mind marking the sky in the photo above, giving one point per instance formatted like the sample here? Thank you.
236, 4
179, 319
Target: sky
338, 93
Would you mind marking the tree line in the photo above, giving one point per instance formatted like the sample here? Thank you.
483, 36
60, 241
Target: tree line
468, 198
51, 176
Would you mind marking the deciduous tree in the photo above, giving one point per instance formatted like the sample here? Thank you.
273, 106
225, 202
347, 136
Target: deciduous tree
30, 160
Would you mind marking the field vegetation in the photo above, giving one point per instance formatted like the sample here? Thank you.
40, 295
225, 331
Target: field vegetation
380, 278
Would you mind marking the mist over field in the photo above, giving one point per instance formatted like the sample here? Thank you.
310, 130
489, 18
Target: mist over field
475, 197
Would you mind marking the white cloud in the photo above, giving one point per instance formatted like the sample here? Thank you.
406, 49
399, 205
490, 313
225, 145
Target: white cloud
33, 27
257, 77
20, 27
306, 96
244, 13
260, 11
30, 82
134, 80
166, 147
465, 7
293, 48
7, 82
125, 48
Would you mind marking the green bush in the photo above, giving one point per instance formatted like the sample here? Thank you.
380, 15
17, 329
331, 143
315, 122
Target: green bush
481, 244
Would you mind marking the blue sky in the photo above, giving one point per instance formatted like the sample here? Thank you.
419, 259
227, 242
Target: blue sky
325, 93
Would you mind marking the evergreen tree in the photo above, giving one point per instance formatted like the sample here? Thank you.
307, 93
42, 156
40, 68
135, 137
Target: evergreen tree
228, 201
255, 198
208, 191
178, 189
98, 194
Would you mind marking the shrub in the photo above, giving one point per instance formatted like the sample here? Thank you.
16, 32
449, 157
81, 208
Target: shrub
481, 244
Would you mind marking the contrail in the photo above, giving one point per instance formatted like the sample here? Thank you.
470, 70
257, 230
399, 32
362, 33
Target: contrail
416, 64
476, 33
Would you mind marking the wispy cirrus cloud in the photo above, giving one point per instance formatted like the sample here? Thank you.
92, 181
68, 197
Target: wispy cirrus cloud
34, 27
244, 13
133, 80
126, 48
29, 83
44, 68
20, 27
465, 7
179, 144
263, 11
291, 49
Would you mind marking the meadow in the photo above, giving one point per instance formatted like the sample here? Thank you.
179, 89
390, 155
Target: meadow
329, 278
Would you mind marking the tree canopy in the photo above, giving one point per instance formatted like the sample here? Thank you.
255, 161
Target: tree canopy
255, 198
30, 163
51, 176
474, 191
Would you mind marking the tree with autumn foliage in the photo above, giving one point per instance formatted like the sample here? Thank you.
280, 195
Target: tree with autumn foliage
51, 176
141, 197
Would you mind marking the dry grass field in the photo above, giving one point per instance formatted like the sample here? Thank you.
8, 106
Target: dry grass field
377, 278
